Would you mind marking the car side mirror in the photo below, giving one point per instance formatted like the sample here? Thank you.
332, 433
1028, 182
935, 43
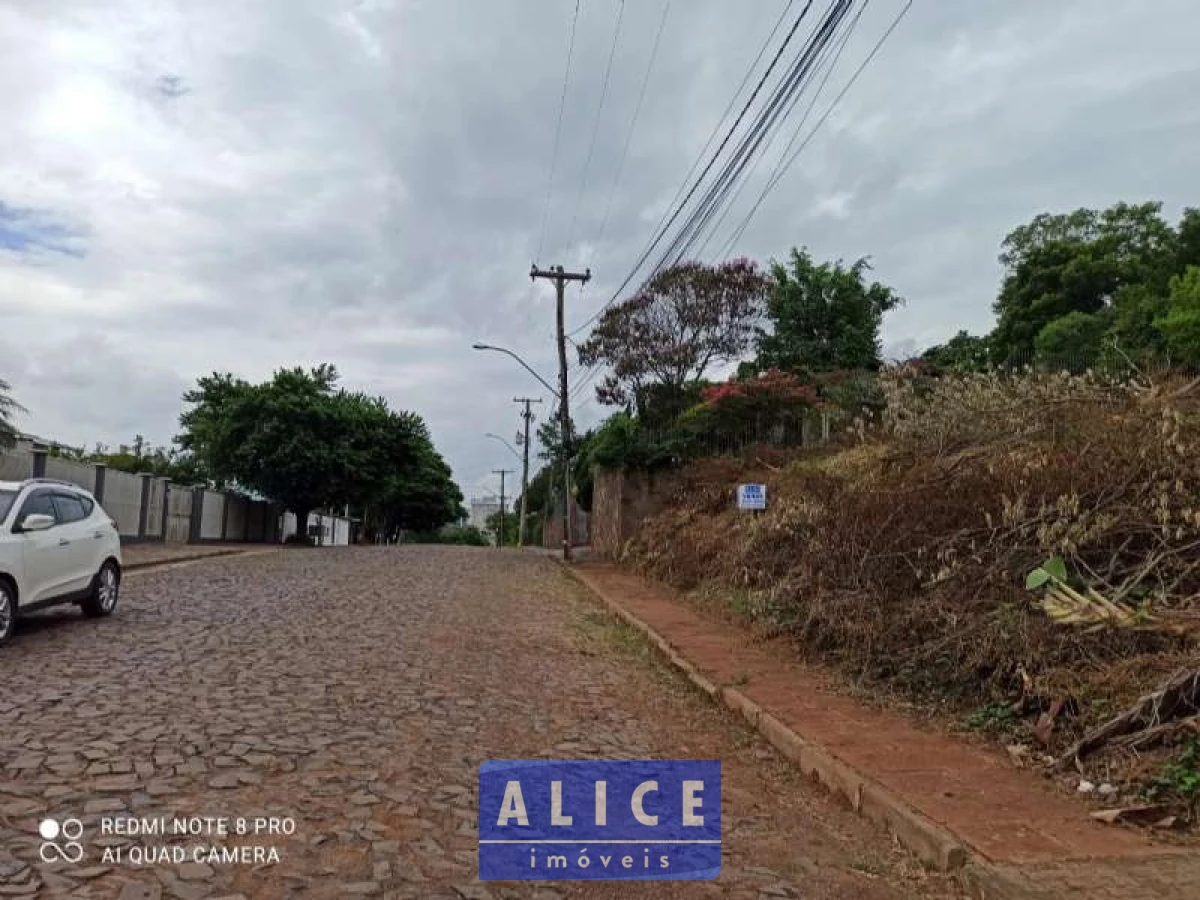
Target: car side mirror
37, 522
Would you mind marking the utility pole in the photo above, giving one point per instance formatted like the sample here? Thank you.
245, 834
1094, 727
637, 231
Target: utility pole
501, 473
528, 417
560, 278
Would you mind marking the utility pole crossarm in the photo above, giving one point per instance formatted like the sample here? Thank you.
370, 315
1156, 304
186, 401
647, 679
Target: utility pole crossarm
557, 273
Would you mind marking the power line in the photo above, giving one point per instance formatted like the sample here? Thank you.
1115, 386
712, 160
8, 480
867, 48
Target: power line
628, 140
662, 225
595, 126
825, 56
782, 170
785, 97
785, 91
633, 123
763, 124
720, 148
562, 103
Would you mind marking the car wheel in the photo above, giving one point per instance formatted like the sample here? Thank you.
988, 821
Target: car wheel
8, 610
106, 588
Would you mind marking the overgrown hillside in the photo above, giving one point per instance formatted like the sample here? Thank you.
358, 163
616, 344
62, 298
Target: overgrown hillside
903, 556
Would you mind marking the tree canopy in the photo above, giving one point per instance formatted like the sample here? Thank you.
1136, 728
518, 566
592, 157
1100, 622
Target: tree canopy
1086, 288
303, 442
1180, 325
822, 317
1114, 265
662, 340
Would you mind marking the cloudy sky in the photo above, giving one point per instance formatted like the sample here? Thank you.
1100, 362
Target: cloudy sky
238, 186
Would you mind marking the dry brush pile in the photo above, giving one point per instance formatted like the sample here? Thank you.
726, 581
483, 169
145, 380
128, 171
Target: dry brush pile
904, 557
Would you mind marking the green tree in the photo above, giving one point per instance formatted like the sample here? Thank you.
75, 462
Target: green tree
505, 527
1077, 262
1189, 239
424, 496
963, 353
1181, 324
301, 441
549, 436
1136, 309
662, 340
1073, 341
281, 438
540, 492
8, 410
821, 317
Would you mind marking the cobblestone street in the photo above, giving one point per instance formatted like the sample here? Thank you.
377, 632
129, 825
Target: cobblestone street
356, 691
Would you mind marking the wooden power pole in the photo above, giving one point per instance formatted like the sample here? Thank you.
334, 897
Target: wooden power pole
501, 473
527, 415
560, 278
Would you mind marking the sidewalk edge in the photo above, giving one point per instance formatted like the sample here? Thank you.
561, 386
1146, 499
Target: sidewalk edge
191, 557
920, 835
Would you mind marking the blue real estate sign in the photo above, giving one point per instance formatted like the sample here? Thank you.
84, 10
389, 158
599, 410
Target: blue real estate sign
752, 496
602, 820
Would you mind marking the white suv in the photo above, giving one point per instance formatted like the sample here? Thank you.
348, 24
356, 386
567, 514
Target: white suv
56, 546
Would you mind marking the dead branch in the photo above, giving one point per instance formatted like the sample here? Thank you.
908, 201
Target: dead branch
1187, 388
1148, 737
1180, 695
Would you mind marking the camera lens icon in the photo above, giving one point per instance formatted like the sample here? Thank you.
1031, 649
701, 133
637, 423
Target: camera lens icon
71, 830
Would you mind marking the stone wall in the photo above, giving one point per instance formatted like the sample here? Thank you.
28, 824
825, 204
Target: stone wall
552, 528
621, 501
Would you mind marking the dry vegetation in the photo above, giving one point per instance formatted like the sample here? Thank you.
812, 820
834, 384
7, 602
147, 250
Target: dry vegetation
903, 556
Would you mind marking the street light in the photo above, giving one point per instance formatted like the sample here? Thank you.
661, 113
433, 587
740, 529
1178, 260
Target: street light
566, 474
524, 365
505, 443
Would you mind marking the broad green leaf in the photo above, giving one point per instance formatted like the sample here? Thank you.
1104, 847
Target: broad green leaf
1056, 568
1036, 579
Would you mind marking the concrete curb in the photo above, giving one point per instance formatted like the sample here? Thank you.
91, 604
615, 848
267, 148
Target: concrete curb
917, 833
191, 557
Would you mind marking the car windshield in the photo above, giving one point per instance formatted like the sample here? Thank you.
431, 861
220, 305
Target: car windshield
6, 500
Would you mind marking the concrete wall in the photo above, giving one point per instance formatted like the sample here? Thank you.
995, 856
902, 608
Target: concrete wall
621, 501
123, 500
256, 520
154, 509
80, 473
136, 503
235, 518
179, 513
15, 465
212, 516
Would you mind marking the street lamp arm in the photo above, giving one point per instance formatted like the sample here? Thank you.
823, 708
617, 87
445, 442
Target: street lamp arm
505, 443
522, 362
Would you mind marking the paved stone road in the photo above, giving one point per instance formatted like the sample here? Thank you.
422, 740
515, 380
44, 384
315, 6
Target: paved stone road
356, 691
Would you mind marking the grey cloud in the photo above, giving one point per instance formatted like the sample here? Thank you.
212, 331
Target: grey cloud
364, 182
